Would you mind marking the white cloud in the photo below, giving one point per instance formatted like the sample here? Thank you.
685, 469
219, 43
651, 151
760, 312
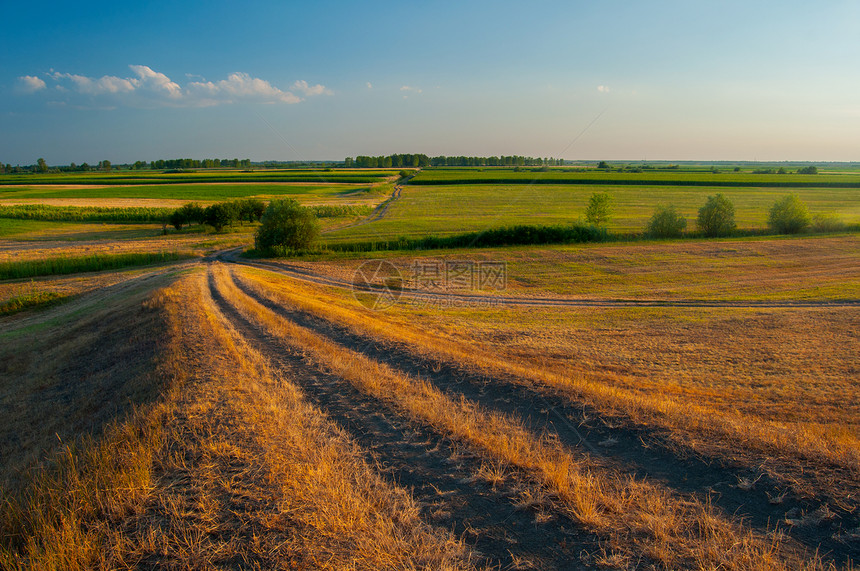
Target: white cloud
369, 85
148, 88
30, 84
107, 84
603, 88
242, 86
410, 88
147, 78
310, 90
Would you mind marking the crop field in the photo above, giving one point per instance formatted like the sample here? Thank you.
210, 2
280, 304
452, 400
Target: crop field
423, 210
169, 402
181, 192
157, 178
532, 176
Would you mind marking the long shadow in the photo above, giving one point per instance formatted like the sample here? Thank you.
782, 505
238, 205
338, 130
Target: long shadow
640, 451
439, 473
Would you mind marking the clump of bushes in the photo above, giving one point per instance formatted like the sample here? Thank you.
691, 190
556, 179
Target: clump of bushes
666, 222
218, 215
286, 226
717, 216
789, 215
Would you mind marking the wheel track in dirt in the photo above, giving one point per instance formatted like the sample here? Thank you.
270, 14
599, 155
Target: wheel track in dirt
436, 470
634, 450
377, 214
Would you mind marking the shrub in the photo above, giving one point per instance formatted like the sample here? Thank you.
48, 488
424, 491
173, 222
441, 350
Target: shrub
666, 222
717, 216
286, 225
827, 223
599, 208
788, 215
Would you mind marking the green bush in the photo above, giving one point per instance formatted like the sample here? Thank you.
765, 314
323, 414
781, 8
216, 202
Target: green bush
788, 215
666, 222
827, 223
495, 237
286, 226
717, 216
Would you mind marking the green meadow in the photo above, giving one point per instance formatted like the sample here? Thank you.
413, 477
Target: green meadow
449, 209
204, 192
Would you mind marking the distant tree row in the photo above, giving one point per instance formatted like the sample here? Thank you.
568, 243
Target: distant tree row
41, 165
419, 160
385, 162
162, 164
502, 161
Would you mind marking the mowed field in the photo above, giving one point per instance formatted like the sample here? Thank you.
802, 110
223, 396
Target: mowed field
686, 404
452, 209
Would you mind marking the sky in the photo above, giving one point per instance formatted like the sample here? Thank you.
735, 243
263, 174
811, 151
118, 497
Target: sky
591, 80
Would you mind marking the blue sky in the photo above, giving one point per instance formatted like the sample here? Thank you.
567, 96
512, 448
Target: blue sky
603, 79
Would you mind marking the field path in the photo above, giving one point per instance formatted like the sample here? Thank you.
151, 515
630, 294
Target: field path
477, 300
634, 451
377, 214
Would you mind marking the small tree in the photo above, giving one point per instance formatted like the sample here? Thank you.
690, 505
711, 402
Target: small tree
717, 216
193, 212
286, 225
599, 209
177, 219
42, 165
250, 209
789, 215
603, 165
218, 215
666, 222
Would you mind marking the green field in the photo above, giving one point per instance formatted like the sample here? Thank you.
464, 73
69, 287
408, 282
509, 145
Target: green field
672, 178
449, 209
206, 192
159, 177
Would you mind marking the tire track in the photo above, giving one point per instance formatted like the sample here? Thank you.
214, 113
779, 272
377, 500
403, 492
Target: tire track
633, 450
467, 300
440, 474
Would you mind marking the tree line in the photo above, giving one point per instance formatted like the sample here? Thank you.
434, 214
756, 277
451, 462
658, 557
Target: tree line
41, 166
421, 160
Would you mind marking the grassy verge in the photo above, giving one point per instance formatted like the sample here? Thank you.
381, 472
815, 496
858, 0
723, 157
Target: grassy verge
90, 263
30, 300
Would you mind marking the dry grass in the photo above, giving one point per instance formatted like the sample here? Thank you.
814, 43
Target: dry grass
219, 463
793, 418
307, 493
637, 517
77, 448
819, 267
